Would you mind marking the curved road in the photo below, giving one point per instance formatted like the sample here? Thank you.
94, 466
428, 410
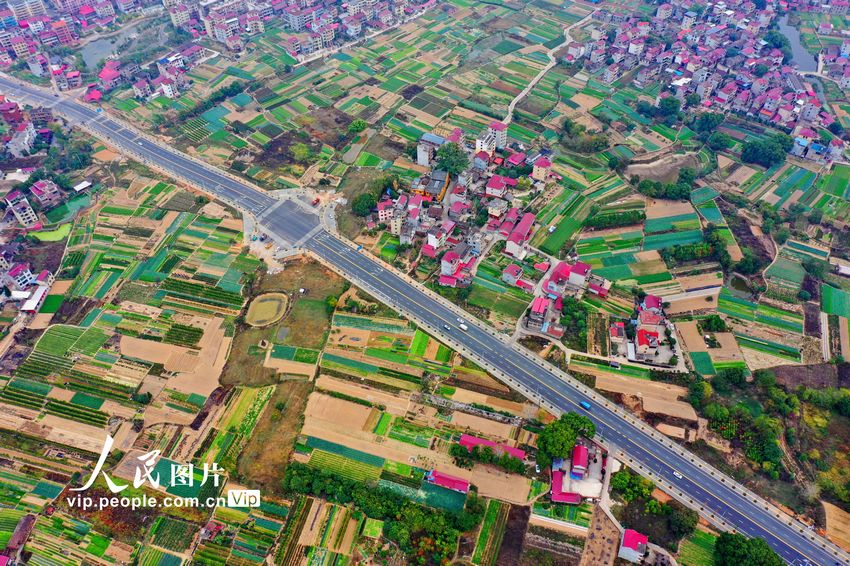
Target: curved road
716, 496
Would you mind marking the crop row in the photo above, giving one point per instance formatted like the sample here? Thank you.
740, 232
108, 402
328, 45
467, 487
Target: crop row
76, 412
202, 293
22, 398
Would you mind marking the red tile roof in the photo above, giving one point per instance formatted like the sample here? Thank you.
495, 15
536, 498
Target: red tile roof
447, 481
513, 270
634, 540
558, 495
469, 442
579, 456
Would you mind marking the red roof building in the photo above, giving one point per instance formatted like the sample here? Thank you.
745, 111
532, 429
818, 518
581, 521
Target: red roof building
633, 546
516, 159
652, 302
558, 495
579, 460
469, 442
447, 481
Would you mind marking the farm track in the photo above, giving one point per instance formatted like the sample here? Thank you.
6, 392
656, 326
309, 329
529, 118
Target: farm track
552, 62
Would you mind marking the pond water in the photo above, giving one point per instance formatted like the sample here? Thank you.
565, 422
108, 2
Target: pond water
99, 49
740, 285
804, 60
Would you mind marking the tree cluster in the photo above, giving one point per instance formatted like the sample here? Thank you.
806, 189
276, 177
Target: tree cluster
558, 438
576, 137
630, 486
666, 112
713, 247
362, 204
706, 123
734, 549
485, 455
768, 152
574, 321
452, 158
713, 323
615, 219
425, 535
680, 190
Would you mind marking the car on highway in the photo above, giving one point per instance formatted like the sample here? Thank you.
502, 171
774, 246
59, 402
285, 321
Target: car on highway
460, 320
584, 405
464, 327
678, 475
447, 327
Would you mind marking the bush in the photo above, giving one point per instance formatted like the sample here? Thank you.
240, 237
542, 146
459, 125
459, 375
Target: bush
363, 204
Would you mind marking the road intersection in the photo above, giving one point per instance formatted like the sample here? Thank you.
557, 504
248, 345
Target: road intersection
715, 496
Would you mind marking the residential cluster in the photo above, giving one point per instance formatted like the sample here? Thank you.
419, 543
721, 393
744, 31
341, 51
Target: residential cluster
455, 220
313, 25
26, 130
648, 341
30, 27
721, 54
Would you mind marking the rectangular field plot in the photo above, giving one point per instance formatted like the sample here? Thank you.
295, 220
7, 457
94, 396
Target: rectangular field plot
835, 301
702, 363
768, 347
745, 310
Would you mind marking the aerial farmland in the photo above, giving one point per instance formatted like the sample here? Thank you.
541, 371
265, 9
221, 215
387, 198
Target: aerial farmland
652, 198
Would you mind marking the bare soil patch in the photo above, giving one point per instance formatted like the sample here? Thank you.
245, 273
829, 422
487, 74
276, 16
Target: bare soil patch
665, 169
586, 101
397, 404
658, 208
837, 525
264, 457
603, 541
326, 408
515, 529
815, 376
691, 336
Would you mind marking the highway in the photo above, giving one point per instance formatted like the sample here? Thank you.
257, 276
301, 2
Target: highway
714, 495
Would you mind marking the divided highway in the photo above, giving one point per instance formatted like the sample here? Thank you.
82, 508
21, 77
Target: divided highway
715, 496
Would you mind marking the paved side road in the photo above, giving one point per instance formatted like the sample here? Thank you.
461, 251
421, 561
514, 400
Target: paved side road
715, 496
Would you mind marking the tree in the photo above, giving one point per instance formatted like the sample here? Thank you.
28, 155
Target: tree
817, 268
452, 158
669, 106
631, 486
713, 323
682, 521
816, 216
749, 264
708, 122
363, 204
357, 126
764, 152
718, 141
734, 549
693, 99
760, 70
557, 439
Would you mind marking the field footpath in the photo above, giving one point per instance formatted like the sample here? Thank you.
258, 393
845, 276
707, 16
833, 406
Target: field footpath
552, 62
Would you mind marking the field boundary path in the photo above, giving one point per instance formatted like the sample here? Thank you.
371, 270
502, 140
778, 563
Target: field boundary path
552, 62
717, 497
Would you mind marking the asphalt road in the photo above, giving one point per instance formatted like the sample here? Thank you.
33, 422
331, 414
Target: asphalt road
714, 495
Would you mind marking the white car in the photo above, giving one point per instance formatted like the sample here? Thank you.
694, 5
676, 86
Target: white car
460, 320
678, 475
447, 327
